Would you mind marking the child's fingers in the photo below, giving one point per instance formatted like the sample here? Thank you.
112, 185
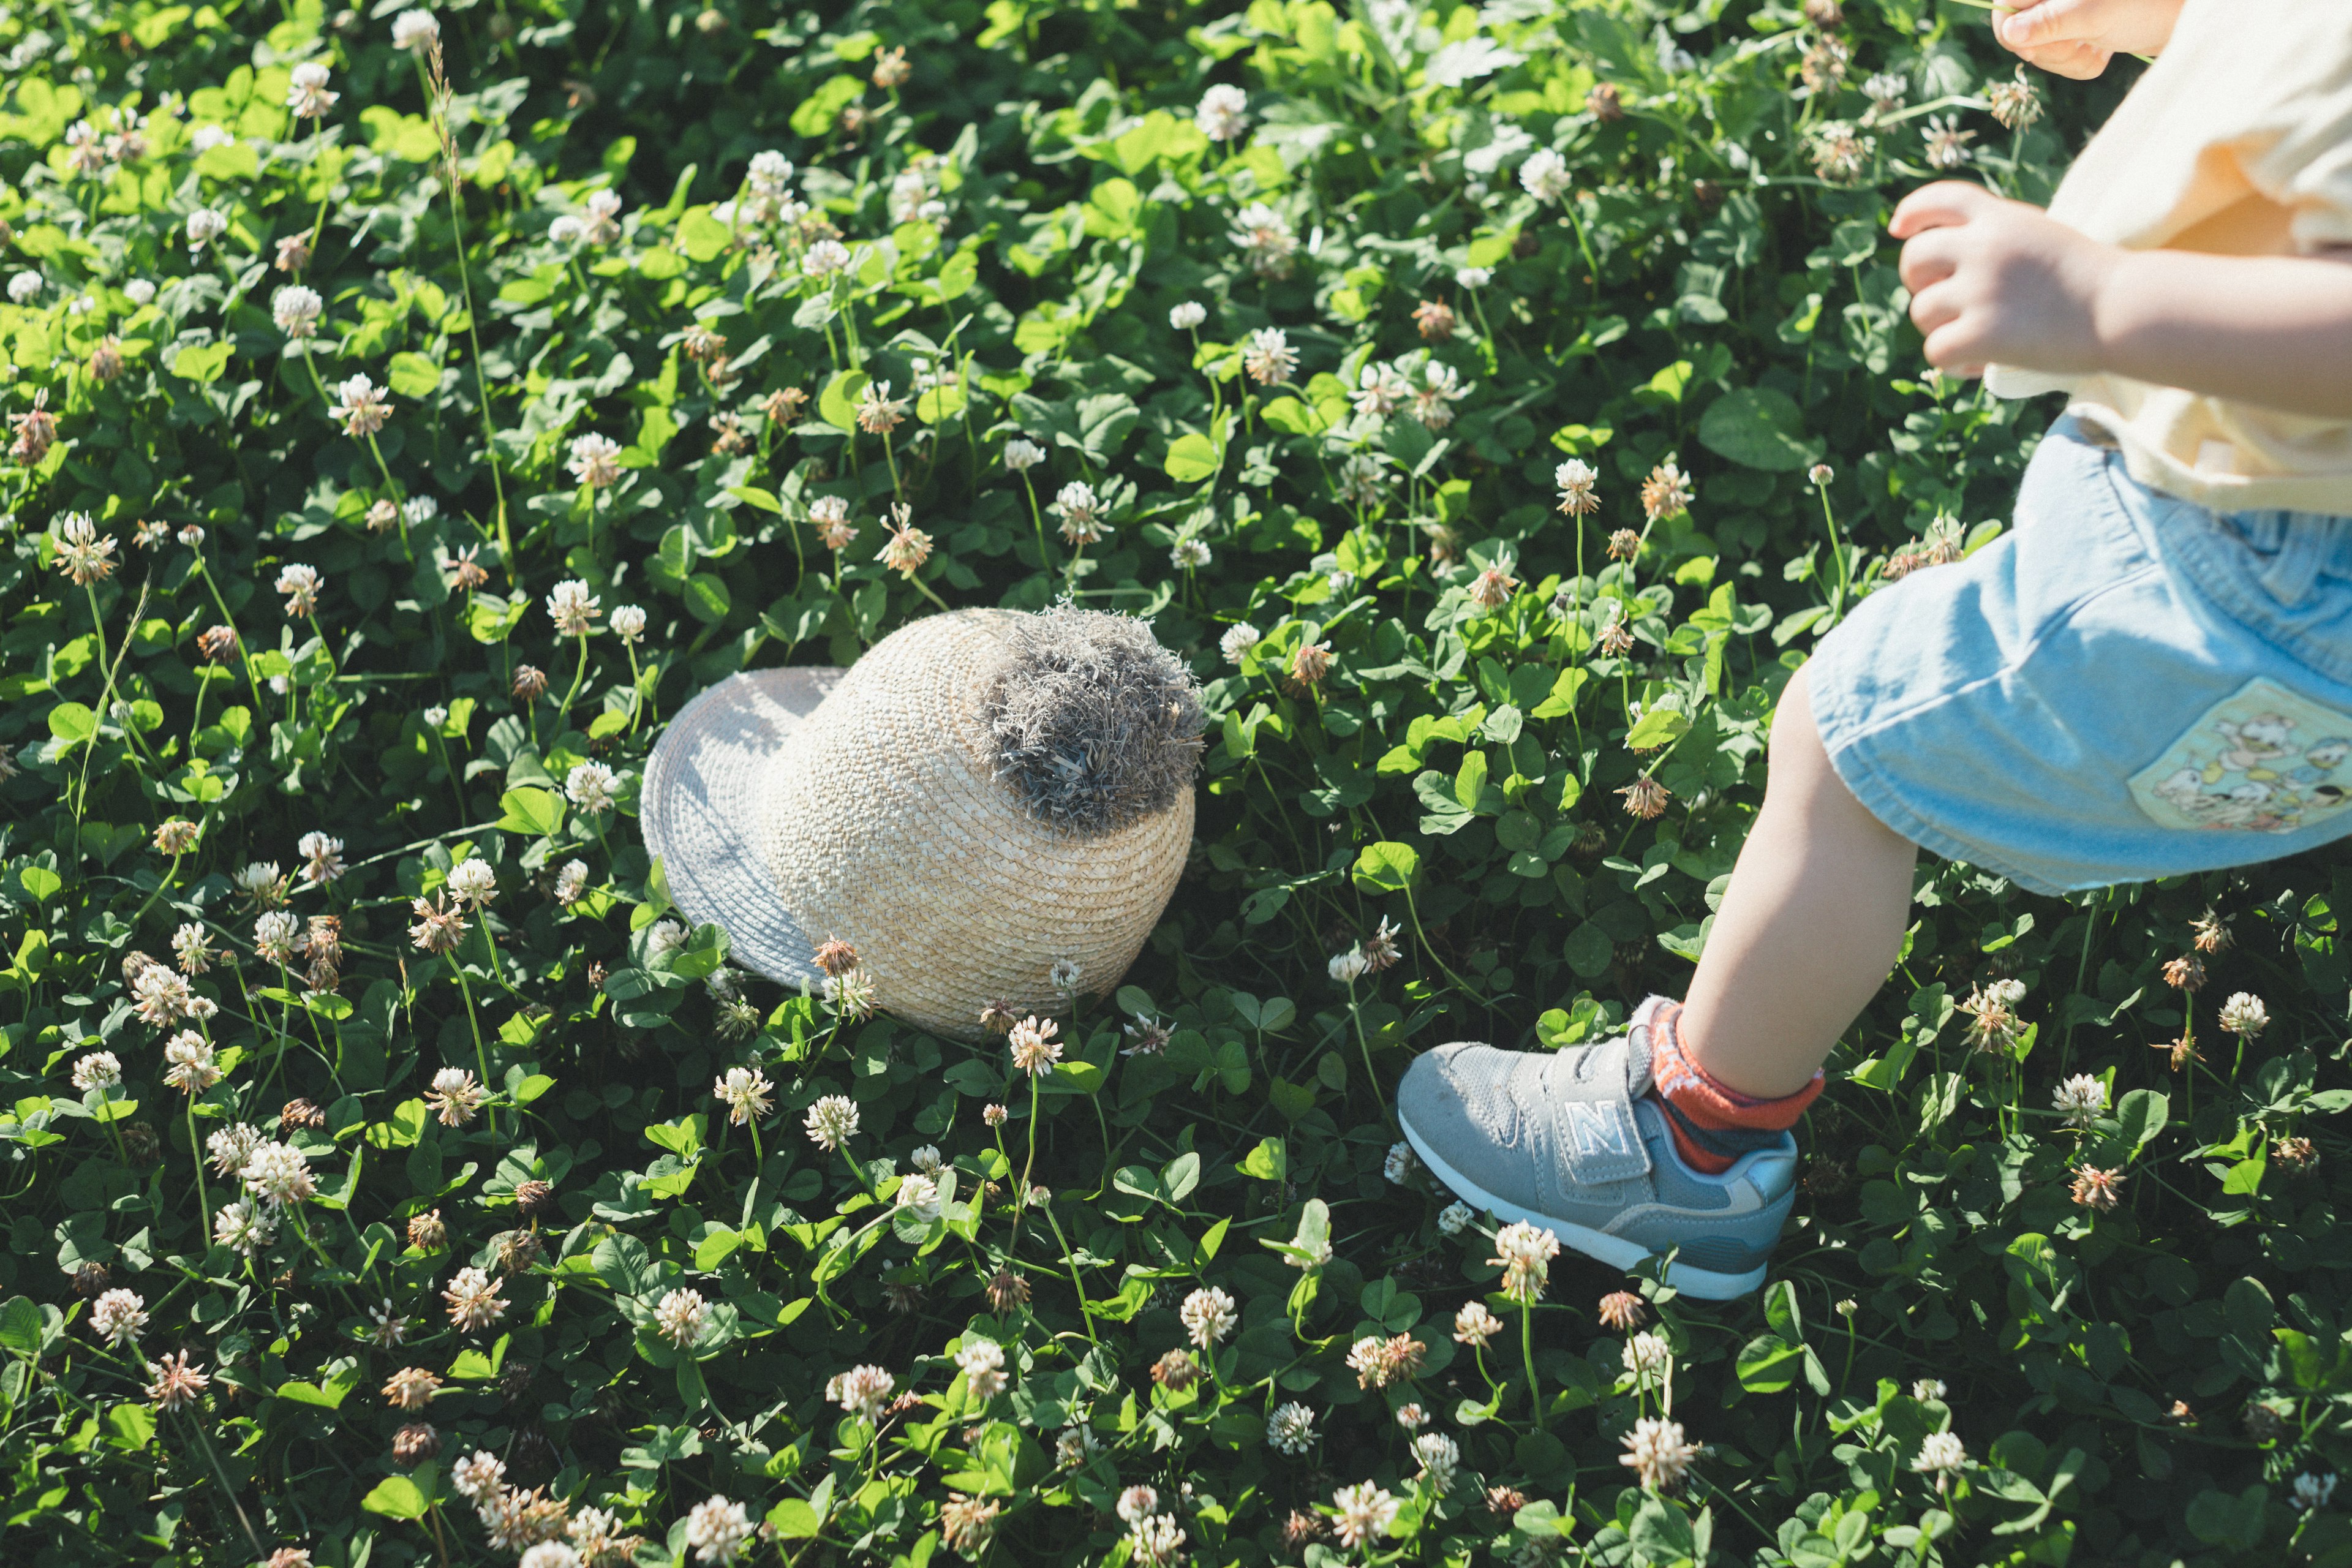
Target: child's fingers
2080, 62
2040, 26
1929, 258
1945, 203
1934, 308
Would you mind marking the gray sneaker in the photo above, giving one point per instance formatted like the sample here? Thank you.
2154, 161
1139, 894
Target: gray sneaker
1566, 1140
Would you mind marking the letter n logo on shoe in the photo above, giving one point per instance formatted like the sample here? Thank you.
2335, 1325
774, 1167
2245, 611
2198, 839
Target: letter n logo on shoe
1598, 1128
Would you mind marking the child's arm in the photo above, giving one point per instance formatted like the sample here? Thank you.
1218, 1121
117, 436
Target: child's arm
1997, 281
2078, 37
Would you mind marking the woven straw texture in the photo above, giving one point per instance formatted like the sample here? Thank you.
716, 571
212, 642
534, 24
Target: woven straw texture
888, 830
702, 804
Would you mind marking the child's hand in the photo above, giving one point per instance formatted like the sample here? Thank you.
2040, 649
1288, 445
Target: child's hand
1994, 281
2078, 37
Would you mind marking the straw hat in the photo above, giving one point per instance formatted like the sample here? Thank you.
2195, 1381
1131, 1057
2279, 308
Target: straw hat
984, 794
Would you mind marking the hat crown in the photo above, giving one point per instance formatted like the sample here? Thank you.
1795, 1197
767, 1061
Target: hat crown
1091, 725
977, 800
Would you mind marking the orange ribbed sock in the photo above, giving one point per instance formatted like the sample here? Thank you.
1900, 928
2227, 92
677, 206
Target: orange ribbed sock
1713, 1123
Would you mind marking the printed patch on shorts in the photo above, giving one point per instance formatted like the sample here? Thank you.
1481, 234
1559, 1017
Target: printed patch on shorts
2262, 760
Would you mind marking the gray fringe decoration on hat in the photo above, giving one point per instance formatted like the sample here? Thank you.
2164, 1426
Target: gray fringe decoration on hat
1094, 724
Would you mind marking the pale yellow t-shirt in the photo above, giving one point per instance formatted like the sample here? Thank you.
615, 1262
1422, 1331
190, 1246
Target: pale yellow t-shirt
2237, 141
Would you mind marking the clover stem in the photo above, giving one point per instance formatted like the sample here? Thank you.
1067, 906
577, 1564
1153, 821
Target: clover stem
1527, 1353
481, 1057
196, 1153
1071, 1259
1021, 1200
1837, 549
579, 675
1356, 1015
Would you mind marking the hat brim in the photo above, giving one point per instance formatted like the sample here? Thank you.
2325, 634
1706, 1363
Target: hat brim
701, 807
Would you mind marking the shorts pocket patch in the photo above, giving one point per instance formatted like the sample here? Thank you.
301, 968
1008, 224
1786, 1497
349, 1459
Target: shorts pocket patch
2262, 760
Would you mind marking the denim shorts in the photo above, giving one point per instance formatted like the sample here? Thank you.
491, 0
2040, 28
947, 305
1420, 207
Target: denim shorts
2121, 687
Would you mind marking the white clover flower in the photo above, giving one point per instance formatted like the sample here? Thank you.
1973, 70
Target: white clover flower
481, 1475
680, 1317
1269, 358
205, 138
1475, 276
139, 291
1940, 1454
1545, 175
1291, 1428
229, 1149
1157, 1541
1208, 1315
550, 1554
719, 1530
1948, 144
192, 1068
604, 209
1347, 966
919, 1195
1439, 1456
595, 461
1927, 1388
983, 1364
1524, 1252
2313, 1491
824, 258
832, 1121
1224, 112
1400, 1163
23, 286
307, 93
665, 938
2243, 1013
1021, 455
629, 621
277, 1173
928, 1160
1189, 554
475, 881
2081, 1099
361, 406
414, 31
276, 936
1366, 1513
1238, 639
322, 856
571, 607
566, 230
418, 510
1453, 1219
770, 170
203, 226
862, 1391
1265, 238
1138, 1503
99, 1069
589, 786
119, 1316
243, 1227
1646, 1355
1188, 315
1657, 1453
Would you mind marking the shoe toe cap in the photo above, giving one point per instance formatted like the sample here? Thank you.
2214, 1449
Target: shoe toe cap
1456, 1091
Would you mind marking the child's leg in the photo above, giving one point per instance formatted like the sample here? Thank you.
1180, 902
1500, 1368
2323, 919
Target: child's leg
1810, 924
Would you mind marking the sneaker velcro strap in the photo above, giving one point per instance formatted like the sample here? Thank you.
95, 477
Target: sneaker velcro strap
1588, 1115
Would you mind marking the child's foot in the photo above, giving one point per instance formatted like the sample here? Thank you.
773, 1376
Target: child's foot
1573, 1141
